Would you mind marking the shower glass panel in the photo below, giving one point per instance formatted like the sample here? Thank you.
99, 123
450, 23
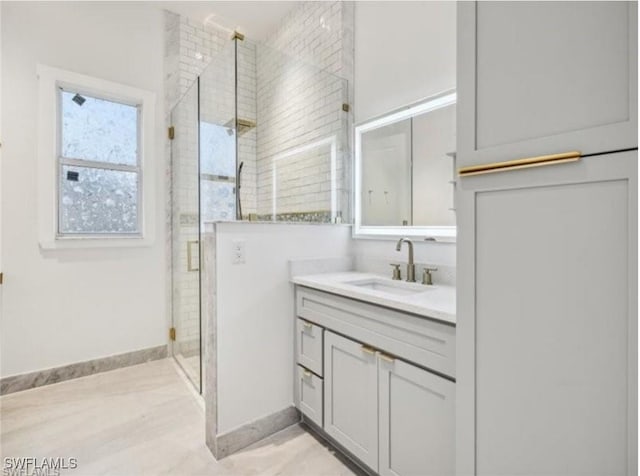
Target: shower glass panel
218, 138
185, 231
292, 138
259, 136
203, 189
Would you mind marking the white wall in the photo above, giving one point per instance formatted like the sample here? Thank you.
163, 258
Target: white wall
68, 306
404, 51
255, 313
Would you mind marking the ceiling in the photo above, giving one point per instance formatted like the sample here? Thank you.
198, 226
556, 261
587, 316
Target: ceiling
256, 19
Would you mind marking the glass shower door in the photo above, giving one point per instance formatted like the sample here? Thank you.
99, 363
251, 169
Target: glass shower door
185, 236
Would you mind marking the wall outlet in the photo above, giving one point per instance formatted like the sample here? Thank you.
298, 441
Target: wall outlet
238, 256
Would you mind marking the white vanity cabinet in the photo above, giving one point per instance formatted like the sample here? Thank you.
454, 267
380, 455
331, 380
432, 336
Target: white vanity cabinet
389, 391
538, 78
416, 420
351, 397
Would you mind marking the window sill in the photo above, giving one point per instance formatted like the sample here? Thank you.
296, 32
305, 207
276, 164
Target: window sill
95, 243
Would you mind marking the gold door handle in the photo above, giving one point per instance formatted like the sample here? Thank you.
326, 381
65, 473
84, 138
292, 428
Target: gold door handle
368, 349
516, 164
190, 255
387, 358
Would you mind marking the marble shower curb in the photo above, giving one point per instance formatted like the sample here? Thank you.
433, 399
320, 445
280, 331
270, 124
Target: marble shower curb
234, 440
17, 383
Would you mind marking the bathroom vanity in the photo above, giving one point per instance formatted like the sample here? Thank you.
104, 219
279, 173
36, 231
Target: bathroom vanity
375, 369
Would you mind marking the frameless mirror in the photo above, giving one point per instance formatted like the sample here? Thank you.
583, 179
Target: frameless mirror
404, 171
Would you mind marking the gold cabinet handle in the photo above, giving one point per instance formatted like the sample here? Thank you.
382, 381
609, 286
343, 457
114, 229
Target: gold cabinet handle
190, 255
387, 358
307, 325
368, 349
307, 373
516, 164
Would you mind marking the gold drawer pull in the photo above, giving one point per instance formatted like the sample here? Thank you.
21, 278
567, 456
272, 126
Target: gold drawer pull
367, 349
307, 325
520, 163
387, 358
307, 373
190, 266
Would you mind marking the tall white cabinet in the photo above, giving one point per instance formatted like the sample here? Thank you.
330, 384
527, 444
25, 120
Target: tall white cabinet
537, 78
547, 256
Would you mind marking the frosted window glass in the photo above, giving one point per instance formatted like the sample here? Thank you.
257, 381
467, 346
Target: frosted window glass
98, 201
218, 201
99, 130
217, 150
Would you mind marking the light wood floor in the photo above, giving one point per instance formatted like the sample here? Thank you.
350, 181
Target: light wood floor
143, 420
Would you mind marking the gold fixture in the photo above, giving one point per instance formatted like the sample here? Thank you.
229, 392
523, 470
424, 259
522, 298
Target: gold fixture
307, 373
387, 358
172, 333
552, 159
308, 325
237, 36
367, 349
242, 125
171, 133
190, 255
345, 107
427, 278
397, 274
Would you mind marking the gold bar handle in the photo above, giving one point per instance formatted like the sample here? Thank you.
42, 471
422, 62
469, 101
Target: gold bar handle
517, 164
368, 350
190, 256
387, 358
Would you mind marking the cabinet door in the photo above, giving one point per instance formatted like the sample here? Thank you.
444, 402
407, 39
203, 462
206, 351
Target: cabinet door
417, 421
351, 397
547, 320
538, 78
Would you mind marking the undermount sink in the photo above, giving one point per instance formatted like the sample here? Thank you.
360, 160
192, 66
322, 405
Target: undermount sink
400, 288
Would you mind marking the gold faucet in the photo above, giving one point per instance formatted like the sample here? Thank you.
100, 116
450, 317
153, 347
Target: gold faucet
411, 267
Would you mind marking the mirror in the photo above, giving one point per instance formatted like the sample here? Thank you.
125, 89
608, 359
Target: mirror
404, 171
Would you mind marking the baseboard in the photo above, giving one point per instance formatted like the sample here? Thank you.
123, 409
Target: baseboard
17, 383
228, 443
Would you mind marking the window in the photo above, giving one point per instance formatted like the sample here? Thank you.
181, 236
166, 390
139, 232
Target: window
96, 164
99, 175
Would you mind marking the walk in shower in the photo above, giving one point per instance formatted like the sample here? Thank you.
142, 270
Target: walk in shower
257, 137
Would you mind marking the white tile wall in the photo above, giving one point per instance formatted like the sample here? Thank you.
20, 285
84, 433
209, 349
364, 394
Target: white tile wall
293, 87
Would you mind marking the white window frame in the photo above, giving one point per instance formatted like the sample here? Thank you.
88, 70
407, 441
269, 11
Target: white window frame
50, 81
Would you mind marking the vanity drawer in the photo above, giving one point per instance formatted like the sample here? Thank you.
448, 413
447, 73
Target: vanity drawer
426, 342
309, 395
309, 345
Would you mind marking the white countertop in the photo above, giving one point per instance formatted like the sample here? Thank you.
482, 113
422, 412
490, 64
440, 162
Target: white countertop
437, 301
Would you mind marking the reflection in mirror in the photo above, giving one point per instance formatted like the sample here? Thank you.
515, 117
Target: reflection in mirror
405, 171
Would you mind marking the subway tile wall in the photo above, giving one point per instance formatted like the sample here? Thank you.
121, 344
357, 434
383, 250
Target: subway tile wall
293, 87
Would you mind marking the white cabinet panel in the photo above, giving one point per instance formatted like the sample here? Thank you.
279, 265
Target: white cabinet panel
309, 345
537, 78
417, 421
547, 320
351, 397
309, 395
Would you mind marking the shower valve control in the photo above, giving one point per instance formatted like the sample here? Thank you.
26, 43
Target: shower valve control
238, 252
